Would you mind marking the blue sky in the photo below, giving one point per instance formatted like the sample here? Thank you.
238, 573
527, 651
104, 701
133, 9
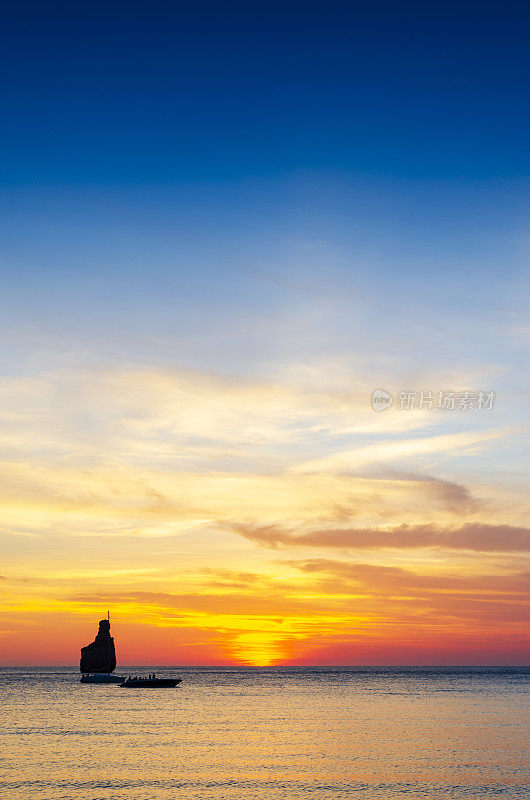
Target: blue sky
151, 149
132, 92
258, 188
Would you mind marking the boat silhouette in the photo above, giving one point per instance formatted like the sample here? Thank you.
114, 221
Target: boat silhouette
98, 662
150, 682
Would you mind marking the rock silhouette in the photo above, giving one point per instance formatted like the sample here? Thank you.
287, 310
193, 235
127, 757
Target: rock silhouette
99, 655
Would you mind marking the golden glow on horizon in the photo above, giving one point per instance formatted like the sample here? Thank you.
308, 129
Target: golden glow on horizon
195, 538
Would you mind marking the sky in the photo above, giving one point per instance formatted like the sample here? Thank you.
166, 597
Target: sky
224, 226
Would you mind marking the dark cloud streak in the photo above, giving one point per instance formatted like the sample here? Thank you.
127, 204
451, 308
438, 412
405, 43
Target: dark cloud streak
474, 536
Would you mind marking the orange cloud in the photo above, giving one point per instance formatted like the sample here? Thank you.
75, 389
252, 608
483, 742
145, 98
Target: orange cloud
473, 536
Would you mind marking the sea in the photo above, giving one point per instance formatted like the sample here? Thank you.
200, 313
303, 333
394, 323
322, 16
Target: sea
291, 733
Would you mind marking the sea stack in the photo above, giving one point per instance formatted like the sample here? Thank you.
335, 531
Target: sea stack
99, 656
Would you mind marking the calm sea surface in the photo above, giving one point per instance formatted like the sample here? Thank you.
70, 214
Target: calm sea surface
265, 734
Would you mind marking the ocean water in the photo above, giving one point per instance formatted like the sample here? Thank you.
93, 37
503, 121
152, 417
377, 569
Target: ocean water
268, 734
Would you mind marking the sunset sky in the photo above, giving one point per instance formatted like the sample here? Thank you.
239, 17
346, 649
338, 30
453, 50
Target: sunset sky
224, 226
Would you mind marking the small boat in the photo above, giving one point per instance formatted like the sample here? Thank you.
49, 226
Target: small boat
101, 677
98, 659
150, 682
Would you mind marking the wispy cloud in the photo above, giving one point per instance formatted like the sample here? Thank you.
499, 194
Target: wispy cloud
473, 536
389, 579
403, 449
138, 457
